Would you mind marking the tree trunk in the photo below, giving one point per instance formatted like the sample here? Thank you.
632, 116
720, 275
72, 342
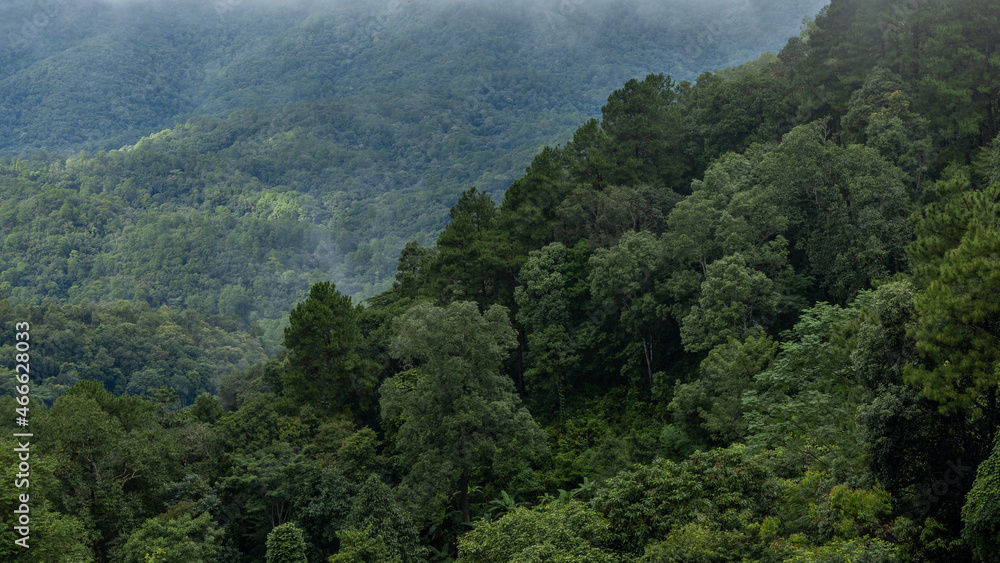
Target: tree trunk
522, 343
647, 349
463, 486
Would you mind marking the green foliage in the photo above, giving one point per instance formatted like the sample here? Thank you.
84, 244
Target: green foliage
850, 513
956, 268
174, 537
711, 406
113, 459
286, 545
733, 108
863, 550
324, 369
692, 543
54, 535
375, 515
905, 439
821, 520
734, 298
805, 403
725, 489
468, 265
206, 408
341, 132
641, 133
455, 417
550, 299
643, 322
981, 513
129, 349
623, 278
360, 546
564, 533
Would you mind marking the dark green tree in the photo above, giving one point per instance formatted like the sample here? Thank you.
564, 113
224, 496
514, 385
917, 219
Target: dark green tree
624, 278
905, 439
324, 368
545, 298
642, 124
469, 262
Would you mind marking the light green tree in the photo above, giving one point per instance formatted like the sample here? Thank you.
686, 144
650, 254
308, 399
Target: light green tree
53, 536
713, 403
175, 537
736, 301
806, 401
285, 544
566, 533
981, 514
362, 546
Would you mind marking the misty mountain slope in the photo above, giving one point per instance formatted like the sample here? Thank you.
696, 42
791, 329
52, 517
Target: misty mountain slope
361, 123
101, 75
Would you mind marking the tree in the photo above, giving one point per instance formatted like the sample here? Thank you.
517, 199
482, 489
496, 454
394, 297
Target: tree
206, 408
714, 401
179, 535
958, 276
114, 460
721, 489
845, 210
469, 264
411, 273
960, 75
360, 546
53, 536
981, 513
549, 283
528, 211
566, 533
324, 368
625, 277
736, 301
905, 439
375, 514
728, 110
806, 401
643, 128
868, 100
285, 544
455, 416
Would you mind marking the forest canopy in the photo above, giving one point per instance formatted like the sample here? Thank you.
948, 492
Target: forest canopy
745, 317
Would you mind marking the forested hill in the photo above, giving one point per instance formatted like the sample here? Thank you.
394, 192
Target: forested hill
752, 317
91, 74
346, 129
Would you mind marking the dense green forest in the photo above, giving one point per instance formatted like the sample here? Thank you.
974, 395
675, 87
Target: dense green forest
363, 122
748, 317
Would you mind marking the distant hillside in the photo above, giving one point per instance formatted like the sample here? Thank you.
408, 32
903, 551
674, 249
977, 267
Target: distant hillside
371, 118
90, 74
